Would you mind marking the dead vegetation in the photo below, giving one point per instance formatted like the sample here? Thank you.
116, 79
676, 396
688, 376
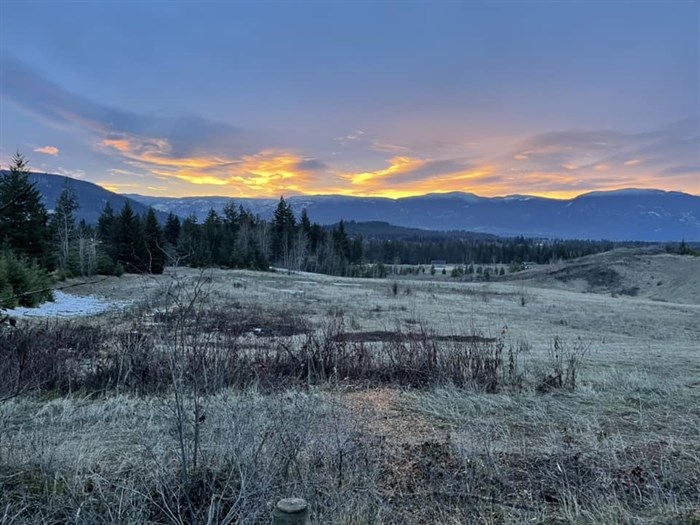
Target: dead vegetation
200, 406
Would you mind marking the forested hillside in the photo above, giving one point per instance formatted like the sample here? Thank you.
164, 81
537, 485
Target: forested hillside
37, 244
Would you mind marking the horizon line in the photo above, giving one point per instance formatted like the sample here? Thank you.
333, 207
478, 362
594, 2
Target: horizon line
544, 196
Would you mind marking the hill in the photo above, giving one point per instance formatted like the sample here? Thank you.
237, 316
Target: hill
91, 197
647, 273
383, 230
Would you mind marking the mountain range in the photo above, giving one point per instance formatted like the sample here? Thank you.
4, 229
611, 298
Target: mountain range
91, 197
621, 215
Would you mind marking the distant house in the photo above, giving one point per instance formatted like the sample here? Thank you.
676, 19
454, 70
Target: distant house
438, 264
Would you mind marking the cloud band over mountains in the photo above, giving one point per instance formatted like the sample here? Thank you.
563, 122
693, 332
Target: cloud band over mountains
191, 154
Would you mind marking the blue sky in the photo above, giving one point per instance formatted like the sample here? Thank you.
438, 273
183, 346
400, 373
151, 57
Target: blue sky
364, 98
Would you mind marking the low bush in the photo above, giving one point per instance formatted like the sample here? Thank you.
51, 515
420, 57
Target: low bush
22, 281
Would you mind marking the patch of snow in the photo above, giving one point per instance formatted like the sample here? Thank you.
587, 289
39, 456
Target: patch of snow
68, 305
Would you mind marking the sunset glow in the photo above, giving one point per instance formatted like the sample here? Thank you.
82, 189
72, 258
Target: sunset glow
489, 99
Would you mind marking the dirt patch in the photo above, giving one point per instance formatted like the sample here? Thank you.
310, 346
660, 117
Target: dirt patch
379, 406
420, 467
598, 278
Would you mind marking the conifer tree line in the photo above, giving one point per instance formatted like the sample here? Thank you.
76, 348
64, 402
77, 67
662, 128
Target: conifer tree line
465, 251
235, 238
36, 245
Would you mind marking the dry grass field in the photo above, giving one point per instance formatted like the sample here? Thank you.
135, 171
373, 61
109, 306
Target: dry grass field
561, 395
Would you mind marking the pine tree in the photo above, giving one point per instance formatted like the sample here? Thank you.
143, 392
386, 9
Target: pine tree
282, 231
108, 242
131, 249
212, 237
23, 217
229, 236
172, 229
87, 249
63, 228
153, 239
188, 246
340, 241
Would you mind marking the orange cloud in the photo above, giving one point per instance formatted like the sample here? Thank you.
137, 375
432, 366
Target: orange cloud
397, 165
117, 187
555, 170
386, 147
122, 145
406, 176
48, 150
268, 172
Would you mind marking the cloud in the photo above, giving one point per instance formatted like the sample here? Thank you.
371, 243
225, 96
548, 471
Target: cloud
386, 147
117, 187
194, 155
47, 150
198, 151
185, 134
311, 165
350, 137
411, 176
74, 174
608, 159
683, 170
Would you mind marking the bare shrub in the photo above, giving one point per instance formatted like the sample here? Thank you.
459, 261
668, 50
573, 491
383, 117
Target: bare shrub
565, 362
254, 451
51, 356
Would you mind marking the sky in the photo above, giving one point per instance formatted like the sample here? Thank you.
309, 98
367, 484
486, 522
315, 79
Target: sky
400, 98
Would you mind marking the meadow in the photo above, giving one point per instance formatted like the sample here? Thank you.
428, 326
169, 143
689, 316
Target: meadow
547, 397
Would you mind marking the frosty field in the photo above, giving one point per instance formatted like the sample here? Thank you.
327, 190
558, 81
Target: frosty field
559, 395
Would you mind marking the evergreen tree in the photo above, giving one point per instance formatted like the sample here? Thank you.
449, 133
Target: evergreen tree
212, 238
23, 217
62, 225
153, 240
130, 246
340, 241
87, 249
188, 246
282, 232
108, 242
22, 281
231, 227
171, 231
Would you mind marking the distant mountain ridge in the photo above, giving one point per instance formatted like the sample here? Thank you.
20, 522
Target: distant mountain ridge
621, 215
91, 197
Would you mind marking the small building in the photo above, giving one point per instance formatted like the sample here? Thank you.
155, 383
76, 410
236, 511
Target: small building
438, 264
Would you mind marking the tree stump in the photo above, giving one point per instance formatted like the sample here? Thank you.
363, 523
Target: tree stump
291, 511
